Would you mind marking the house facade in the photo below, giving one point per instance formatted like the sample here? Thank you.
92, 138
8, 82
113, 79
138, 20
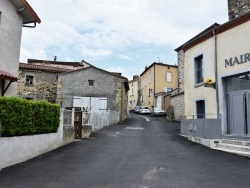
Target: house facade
95, 89
38, 82
133, 97
155, 79
217, 84
14, 15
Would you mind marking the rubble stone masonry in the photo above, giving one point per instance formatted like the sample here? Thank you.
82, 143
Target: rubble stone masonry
177, 102
181, 61
237, 8
43, 87
121, 99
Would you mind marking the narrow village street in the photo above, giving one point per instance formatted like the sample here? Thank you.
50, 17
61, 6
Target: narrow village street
137, 153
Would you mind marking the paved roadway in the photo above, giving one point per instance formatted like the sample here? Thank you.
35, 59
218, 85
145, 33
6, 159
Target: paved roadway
135, 154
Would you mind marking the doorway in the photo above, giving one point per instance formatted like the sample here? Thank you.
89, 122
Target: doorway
238, 105
78, 125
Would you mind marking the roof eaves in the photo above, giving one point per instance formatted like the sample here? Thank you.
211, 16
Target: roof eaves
31, 10
204, 35
155, 63
218, 29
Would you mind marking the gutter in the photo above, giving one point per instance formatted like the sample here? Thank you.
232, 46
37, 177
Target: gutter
154, 88
216, 74
29, 26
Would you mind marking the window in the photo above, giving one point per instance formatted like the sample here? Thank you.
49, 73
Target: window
200, 109
132, 92
150, 91
149, 78
29, 80
130, 103
199, 69
145, 81
91, 83
141, 98
169, 76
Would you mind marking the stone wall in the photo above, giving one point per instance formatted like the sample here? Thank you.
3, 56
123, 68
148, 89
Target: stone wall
177, 102
105, 85
121, 99
43, 87
181, 61
237, 8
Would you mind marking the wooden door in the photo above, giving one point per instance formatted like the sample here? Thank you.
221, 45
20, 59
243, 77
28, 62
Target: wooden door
78, 125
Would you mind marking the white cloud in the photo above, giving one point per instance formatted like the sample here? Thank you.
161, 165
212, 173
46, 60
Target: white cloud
98, 29
125, 57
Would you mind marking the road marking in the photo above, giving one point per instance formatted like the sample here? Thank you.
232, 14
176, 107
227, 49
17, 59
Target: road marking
135, 128
147, 119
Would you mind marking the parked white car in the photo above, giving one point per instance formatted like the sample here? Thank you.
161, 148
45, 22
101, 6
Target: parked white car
158, 112
144, 110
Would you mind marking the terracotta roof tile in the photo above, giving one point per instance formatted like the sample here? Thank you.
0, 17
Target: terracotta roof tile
7, 76
42, 68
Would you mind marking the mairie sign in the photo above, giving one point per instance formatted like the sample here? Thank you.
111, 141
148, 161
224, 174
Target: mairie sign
237, 60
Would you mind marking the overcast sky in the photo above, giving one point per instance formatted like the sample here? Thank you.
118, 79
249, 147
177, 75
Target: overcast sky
117, 35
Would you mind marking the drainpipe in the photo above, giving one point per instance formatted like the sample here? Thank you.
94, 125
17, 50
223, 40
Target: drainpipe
154, 89
216, 74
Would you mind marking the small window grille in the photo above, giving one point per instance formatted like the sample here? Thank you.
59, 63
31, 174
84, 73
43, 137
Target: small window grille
91, 83
29, 80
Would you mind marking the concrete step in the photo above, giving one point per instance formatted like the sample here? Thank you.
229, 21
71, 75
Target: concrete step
236, 142
233, 147
246, 154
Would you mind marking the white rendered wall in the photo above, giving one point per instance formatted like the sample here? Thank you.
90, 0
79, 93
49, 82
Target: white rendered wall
15, 150
10, 41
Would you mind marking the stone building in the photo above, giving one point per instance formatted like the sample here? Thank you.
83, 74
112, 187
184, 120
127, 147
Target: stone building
38, 82
93, 88
237, 8
14, 15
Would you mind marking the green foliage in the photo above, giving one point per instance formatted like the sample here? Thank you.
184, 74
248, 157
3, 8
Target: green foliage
22, 117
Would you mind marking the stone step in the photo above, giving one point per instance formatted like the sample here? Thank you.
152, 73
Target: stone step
236, 142
233, 147
246, 154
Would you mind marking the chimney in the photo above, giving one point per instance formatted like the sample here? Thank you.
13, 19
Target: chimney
135, 77
237, 8
55, 58
146, 67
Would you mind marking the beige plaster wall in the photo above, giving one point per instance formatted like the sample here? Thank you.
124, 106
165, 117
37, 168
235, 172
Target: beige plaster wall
133, 94
158, 84
231, 44
160, 78
147, 100
192, 92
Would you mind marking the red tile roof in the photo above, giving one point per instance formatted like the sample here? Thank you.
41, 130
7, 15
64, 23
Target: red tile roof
42, 68
57, 62
7, 76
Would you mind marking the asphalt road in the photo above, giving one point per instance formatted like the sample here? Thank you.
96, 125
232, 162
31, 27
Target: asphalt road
135, 154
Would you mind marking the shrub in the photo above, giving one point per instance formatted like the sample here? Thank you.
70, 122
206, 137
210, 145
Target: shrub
22, 117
